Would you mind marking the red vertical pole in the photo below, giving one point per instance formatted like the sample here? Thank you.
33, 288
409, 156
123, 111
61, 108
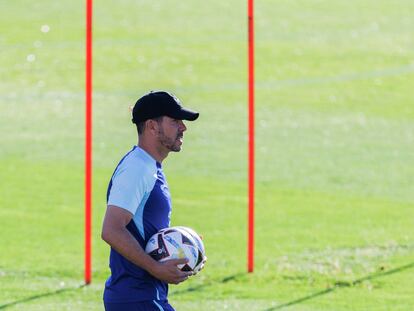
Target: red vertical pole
88, 144
250, 255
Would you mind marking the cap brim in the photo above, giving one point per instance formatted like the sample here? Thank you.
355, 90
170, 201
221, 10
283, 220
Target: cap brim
186, 114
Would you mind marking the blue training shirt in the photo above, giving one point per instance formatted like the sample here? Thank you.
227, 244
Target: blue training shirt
139, 186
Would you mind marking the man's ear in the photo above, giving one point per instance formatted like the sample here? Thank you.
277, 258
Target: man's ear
152, 126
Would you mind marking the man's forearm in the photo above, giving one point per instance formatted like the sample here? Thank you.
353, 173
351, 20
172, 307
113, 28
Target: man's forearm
115, 233
124, 243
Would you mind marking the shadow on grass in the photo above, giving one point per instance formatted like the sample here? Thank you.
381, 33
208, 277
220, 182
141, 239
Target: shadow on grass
342, 284
47, 294
201, 286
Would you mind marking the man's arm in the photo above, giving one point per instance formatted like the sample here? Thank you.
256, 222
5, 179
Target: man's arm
114, 232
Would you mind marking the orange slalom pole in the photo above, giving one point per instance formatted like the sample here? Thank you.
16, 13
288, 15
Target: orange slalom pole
251, 170
88, 145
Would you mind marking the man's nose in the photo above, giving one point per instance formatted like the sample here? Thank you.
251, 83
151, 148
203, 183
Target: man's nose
182, 126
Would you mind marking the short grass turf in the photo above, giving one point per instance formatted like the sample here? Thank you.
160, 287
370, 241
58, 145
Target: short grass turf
334, 148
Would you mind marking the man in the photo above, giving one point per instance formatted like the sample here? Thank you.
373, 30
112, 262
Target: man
139, 205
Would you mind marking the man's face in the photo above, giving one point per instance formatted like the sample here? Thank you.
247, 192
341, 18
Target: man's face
170, 133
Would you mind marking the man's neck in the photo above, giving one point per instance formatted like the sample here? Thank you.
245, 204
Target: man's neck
152, 151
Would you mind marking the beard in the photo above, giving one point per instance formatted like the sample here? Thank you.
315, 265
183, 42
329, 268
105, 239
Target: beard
172, 144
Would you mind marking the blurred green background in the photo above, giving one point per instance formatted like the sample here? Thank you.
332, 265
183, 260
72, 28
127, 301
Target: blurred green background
334, 148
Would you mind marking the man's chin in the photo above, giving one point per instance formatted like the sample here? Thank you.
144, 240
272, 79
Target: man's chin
175, 148
178, 146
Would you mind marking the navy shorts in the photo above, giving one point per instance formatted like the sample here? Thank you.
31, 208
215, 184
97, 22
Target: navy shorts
151, 305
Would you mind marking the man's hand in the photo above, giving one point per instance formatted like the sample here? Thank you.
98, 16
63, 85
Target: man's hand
168, 271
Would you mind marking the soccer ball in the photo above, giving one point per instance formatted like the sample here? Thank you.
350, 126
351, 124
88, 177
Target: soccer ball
174, 243
202, 258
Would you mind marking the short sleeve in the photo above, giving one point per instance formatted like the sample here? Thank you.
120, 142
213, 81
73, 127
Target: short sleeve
129, 188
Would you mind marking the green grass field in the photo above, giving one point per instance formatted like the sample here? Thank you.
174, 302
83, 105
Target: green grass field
334, 143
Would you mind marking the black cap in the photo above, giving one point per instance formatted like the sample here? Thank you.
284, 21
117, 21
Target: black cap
160, 103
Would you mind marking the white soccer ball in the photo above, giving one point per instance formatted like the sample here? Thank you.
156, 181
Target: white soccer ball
174, 243
202, 258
